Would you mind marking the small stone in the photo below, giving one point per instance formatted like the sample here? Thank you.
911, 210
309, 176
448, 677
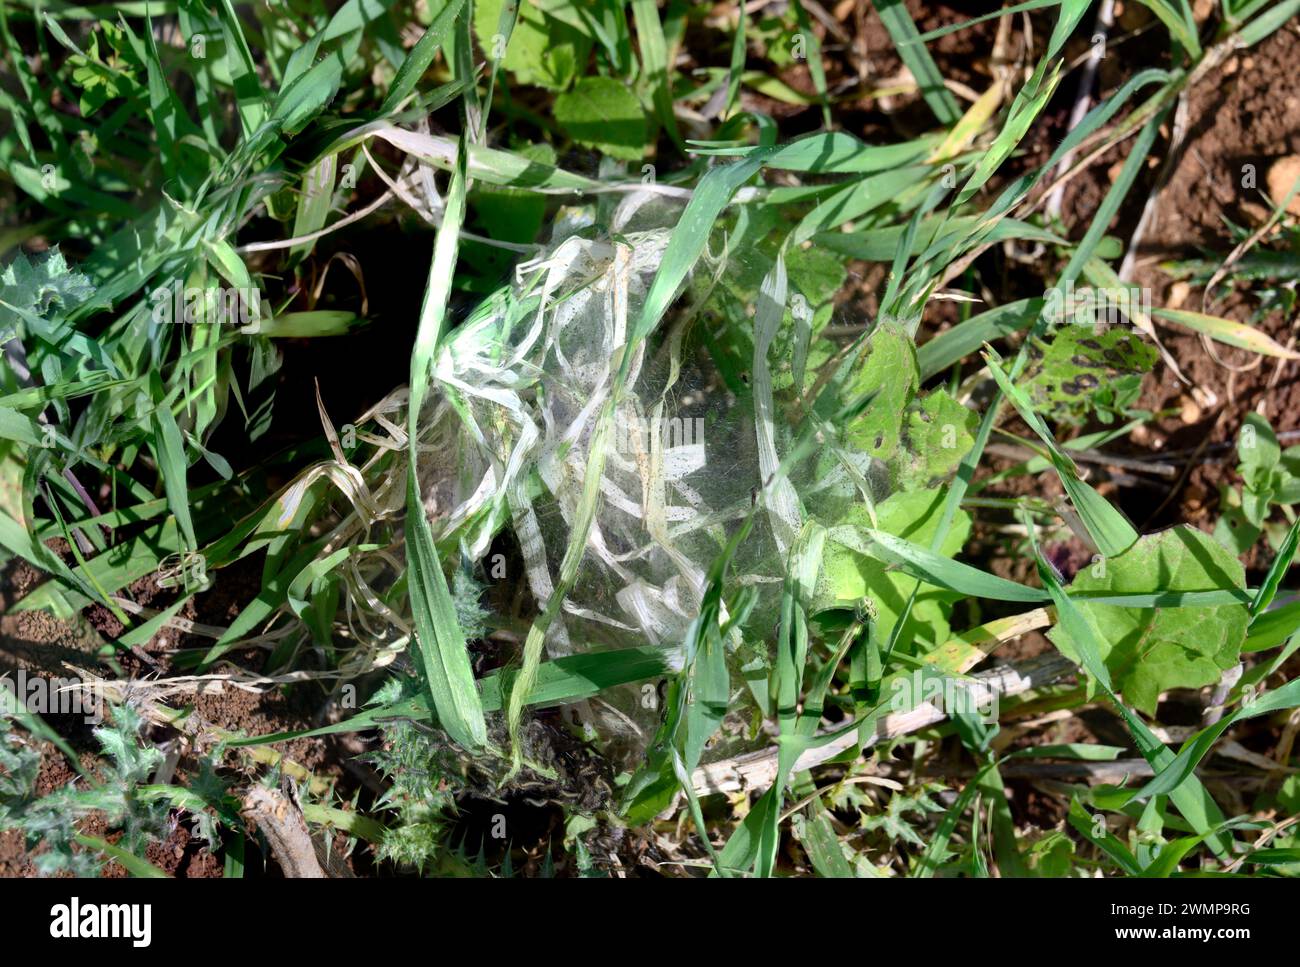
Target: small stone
1281, 176
1178, 293
1189, 412
1258, 213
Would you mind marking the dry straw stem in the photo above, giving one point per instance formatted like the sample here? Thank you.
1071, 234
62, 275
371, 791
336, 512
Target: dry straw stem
758, 770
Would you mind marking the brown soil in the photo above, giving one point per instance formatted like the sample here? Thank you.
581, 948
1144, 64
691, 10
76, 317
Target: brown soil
38, 643
1246, 115
178, 855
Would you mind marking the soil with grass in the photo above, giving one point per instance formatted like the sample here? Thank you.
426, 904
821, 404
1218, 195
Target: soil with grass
1241, 121
1248, 114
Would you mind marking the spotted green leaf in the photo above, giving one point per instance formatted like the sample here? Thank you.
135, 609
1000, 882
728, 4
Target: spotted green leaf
1079, 370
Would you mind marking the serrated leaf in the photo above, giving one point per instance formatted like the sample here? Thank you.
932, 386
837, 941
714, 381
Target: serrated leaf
939, 431
37, 285
920, 439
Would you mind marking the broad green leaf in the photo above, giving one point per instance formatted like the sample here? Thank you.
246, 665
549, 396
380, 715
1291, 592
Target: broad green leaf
541, 49
937, 433
888, 374
600, 112
1149, 650
849, 575
921, 439
1258, 451
1191, 797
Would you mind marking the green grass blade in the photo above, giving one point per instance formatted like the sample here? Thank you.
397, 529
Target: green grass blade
1109, 529
420, 57
1191, 798
943, 572
1276, 572
902, 30
1172, 775
654, 64
169, 450
953, 345
441, 641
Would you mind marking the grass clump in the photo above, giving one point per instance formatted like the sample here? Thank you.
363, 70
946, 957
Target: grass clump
669, 447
